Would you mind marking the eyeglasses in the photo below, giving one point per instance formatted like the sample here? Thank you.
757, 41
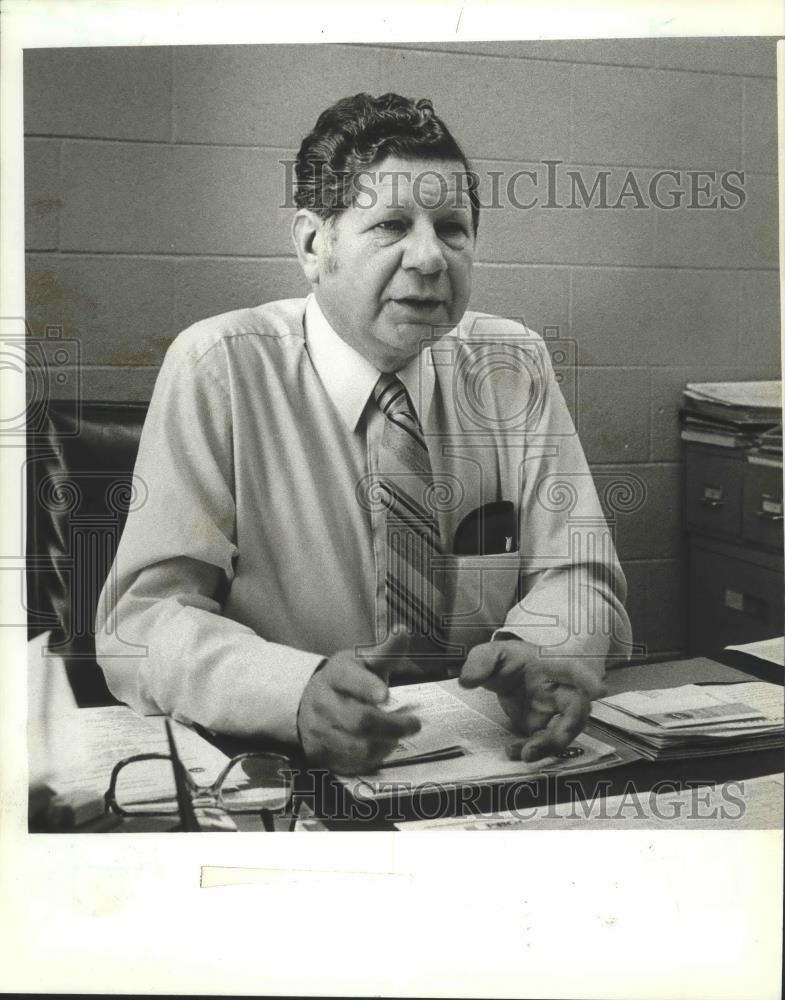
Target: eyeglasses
145, 785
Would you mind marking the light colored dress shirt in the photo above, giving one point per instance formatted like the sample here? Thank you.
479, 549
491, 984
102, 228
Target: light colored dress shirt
249, 556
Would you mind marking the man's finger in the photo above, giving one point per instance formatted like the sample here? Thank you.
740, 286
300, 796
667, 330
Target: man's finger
354, 679
559, 732
380, 660
374, 724
536, 719
577, 674
356, 756
480, 665
556, 737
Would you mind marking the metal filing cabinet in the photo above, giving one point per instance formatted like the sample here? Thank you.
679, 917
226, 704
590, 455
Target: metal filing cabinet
733, 514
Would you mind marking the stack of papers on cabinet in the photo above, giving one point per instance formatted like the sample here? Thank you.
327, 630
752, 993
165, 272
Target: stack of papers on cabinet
731, 414
694, 720
715, 432
736, 402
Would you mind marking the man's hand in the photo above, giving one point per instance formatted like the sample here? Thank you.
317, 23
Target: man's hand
340, 722
546, 697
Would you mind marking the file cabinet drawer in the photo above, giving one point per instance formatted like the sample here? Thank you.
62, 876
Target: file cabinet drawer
732, 600
714, 493
762, 507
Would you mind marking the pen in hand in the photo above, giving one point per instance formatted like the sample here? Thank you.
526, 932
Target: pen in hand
444, 753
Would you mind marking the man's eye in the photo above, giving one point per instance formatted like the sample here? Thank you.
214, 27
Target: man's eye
390, 226
455, 236
450, 229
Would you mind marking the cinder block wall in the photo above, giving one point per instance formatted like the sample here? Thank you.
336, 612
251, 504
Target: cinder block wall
153, 189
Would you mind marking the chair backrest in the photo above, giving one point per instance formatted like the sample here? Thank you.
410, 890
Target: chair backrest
79, 488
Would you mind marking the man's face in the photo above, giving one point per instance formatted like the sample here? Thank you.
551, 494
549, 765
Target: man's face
398, 262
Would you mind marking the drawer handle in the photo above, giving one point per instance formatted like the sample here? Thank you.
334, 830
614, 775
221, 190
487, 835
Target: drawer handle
753, 607
770, 508
712, 496
767, 515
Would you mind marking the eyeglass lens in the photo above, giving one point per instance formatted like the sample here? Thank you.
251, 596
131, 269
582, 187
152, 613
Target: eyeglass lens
251, 783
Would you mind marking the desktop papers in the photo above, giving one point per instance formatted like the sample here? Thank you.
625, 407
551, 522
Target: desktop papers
88, 742
473, 722
748, 804
694, 720
72, 750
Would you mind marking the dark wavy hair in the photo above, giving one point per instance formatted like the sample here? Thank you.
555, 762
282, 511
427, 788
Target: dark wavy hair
358, 132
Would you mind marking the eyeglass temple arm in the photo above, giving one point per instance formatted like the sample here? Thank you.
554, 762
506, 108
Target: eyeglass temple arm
185, 806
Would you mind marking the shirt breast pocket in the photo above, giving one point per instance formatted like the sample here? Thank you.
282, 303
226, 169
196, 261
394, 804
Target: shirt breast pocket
479, 592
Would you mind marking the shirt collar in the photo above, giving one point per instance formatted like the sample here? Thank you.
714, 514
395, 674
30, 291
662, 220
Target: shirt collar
349, 378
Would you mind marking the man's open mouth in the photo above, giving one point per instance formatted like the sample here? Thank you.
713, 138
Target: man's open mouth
414, 302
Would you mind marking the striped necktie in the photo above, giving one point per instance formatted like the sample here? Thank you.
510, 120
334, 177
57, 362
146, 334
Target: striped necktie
410, 529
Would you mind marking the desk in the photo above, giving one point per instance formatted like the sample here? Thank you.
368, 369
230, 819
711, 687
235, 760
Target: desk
328, 799
340, 812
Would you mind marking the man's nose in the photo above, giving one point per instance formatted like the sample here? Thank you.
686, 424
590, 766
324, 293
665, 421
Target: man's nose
424, 251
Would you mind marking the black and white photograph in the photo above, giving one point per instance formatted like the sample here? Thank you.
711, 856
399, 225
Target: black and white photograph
401, 454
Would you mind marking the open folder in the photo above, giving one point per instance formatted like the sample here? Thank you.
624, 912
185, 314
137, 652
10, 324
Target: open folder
464, 739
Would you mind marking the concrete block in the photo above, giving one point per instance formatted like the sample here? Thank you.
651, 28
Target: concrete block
140, 198
207, 287
612, 414
119, 308
760, 125
654, 530
43, 200
759, 329
264, 95
496, 108
537, 296
663, 119
520, 234
655, 316
744, 237
109, 93
122, 384
608, 51
746, 56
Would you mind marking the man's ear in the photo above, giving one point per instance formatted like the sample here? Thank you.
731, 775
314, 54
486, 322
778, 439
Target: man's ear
309, 236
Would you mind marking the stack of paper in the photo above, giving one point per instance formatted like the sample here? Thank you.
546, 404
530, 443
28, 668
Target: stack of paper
730, 414
768, 450
736, 402
723, 433
695, 720
770, 441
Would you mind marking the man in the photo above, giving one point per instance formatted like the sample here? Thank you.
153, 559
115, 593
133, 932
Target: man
364, 486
